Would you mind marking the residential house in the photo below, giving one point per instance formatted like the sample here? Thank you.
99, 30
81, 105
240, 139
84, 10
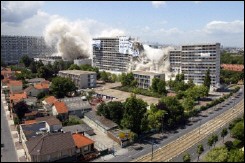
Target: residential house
54, 124
31, 101
77, 106
16, 97
37, 88
100, 122
50, 147
48, 103
15, 86
60, 110
83, 144
81, 128
28, 131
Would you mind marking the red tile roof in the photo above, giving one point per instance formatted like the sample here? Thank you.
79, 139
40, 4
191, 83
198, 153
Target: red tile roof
50, 100
81, 140
232, 67
42, 85
60, 107
15, 83
17, 96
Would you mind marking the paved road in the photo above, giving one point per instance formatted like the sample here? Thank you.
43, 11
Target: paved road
8, 152
147, 147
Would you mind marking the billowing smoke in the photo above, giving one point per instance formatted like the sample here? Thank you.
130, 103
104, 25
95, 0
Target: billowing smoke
153, 60
71, 39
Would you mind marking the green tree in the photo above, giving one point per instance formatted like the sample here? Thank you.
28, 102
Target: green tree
219, 154
45, 72
187, 157
171, 84
134, 111
238, 131
188, 104
200, 150
161, 87
116, 110
20, 109
72, 120
33, 67
62, 86
207, 79
127, 79
190, 83
41, 95
74, 67
174, 111
155, 117
154, 85
223, 133
215, 138
26, 60
103, 110
236, 155
210, 141
104, 76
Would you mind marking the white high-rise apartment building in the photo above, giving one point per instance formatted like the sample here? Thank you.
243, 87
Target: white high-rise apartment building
195, 60
14, 47
113, 53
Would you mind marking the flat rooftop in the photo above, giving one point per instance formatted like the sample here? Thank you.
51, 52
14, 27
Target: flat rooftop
146, 73
122, 96
77, 72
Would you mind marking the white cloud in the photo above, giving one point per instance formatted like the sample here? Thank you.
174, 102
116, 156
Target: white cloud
222, 27
17, 11
197, 1
157, 4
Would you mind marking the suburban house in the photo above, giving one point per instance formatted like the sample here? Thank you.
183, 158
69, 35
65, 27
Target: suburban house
28, 131
100, 122
54, 124
16, 97
48, 102
77, 106
6, 72
83, 144
50, 147
15, 86
81, 128
31, 101
37, 88
60, 110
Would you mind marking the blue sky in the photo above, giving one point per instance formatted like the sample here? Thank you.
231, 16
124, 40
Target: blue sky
164, 22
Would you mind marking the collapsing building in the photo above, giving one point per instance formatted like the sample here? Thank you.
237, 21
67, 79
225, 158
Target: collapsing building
115, 53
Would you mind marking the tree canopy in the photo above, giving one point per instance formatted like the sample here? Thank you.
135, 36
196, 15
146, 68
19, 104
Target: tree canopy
207, 79
62, 86
26, 60
219, 154
238, 131
134, 113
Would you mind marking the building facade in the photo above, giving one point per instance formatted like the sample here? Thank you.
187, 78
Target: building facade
85, 61
14, 47
82, 79
113, 53
175, 60
144, 79
195, 60
48, 59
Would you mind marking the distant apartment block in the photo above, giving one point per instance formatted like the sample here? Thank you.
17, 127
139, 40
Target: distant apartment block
195, 60
144, 79
48, 59
14, 47
80, 62
82, 79
113, 53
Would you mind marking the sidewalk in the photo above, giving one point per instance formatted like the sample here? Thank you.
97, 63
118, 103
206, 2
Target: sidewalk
14, 133
220, 143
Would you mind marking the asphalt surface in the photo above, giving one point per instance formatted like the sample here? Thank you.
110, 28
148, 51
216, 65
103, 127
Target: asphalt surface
8, 152
200, 119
